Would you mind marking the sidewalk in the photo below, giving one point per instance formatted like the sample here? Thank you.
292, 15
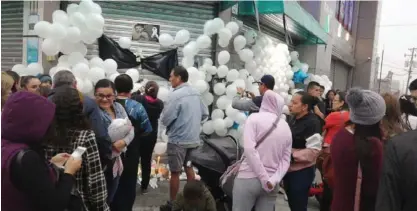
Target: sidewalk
156, 197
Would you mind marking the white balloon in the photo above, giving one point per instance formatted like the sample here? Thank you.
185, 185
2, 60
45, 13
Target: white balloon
219, 88
187, 62
50, 47
222, 71
203, 41
193, 74
19, 68
96, 9
208, 98
250, 66
222, 102
166, 40
110, 66
134, 74
208, 62
75, 57
86, 7
201, 75
97, 62
304, 67
219, 124
231, 91
61, 17
136, 87
58, 31
239, 43
87, 87
94, 21
209, 28
285, 110
232, 75
217, 114
113, 76
223, 43
43, 29
163, 93
160, 148
243, 74
212, 70
208, 127
80, 82
208, 78
225, 35
233, 27
294, 56
77, 19
218, 24
72, 8
73, 34
223, 57
222, 132
95, 74
125, 42
201, 86
80, 47
228, 122
240, 83
246, 55
289, 75
240, 118
80, 70
231, 112
182, 37
34, 69
190, 50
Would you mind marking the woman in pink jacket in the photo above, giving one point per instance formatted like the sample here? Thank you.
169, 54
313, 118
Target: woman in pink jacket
263, 167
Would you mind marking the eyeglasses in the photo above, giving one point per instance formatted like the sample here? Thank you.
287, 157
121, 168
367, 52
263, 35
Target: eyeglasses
103, 96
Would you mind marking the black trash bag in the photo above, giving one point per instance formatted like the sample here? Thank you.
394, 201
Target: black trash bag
110, 49
162, 63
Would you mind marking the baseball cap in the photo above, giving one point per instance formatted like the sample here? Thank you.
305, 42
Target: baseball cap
268, 81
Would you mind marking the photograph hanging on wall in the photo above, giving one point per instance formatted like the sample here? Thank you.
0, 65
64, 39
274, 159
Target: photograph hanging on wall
145, 32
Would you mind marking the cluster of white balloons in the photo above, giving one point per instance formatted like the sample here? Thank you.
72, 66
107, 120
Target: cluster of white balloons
32, 69
71, 30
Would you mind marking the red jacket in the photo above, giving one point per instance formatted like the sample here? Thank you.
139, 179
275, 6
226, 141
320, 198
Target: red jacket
345, 164
334, 122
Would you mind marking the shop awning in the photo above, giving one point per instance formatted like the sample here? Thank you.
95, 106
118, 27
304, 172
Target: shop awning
312, 31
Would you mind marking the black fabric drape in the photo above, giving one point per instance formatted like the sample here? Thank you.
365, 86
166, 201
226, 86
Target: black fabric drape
110, 49
162, 63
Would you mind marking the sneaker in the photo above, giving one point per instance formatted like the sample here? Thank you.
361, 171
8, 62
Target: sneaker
144, 191
285, 197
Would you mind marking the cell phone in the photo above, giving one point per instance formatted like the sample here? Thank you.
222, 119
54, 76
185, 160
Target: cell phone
78, 152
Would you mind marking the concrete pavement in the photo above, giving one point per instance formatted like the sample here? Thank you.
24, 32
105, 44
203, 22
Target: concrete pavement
156, 197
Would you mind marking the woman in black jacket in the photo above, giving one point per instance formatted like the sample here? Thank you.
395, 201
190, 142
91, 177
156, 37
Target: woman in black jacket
153, 107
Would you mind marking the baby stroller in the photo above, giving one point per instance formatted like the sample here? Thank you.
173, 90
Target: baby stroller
212, 159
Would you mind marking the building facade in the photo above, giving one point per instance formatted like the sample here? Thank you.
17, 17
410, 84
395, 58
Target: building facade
345, 51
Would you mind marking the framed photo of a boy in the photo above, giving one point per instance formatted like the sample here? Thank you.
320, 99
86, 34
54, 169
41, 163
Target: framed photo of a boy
145, 32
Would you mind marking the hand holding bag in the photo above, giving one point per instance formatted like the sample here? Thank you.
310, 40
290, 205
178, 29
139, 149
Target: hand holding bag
228, 178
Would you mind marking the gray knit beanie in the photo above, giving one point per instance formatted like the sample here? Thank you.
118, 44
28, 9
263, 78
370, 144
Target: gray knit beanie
366, 107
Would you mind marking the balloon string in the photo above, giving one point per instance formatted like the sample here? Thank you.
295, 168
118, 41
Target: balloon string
255, 6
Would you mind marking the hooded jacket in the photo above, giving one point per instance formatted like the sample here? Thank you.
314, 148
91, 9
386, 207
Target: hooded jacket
271, 160
25, 119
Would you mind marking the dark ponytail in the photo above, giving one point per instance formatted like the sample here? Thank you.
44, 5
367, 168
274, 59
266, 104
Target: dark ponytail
309, 100
151, 89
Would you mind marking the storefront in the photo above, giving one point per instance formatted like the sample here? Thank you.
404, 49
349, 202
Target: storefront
11, 34
144, 21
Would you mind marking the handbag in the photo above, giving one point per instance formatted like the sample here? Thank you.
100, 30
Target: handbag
75, 202
228, 177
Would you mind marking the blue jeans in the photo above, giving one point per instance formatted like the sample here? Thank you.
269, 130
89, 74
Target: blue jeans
297, 186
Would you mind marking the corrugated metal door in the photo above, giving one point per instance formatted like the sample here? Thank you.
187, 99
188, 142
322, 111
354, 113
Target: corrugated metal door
340, 75
11, 33
120, 18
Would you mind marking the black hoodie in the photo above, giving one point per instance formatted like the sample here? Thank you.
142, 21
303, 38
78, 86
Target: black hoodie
154, 109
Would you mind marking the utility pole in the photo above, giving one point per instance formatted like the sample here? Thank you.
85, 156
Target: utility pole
380, 71
410, 68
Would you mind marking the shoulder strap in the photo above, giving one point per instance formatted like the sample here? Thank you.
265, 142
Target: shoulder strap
274, 125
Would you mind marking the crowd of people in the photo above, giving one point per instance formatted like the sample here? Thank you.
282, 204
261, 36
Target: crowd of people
363, 144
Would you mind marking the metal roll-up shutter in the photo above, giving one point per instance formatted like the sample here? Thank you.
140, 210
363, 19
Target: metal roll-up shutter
120, 17
267, 28
340, 75
11, 33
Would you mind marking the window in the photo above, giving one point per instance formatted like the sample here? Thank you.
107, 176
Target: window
344, 13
